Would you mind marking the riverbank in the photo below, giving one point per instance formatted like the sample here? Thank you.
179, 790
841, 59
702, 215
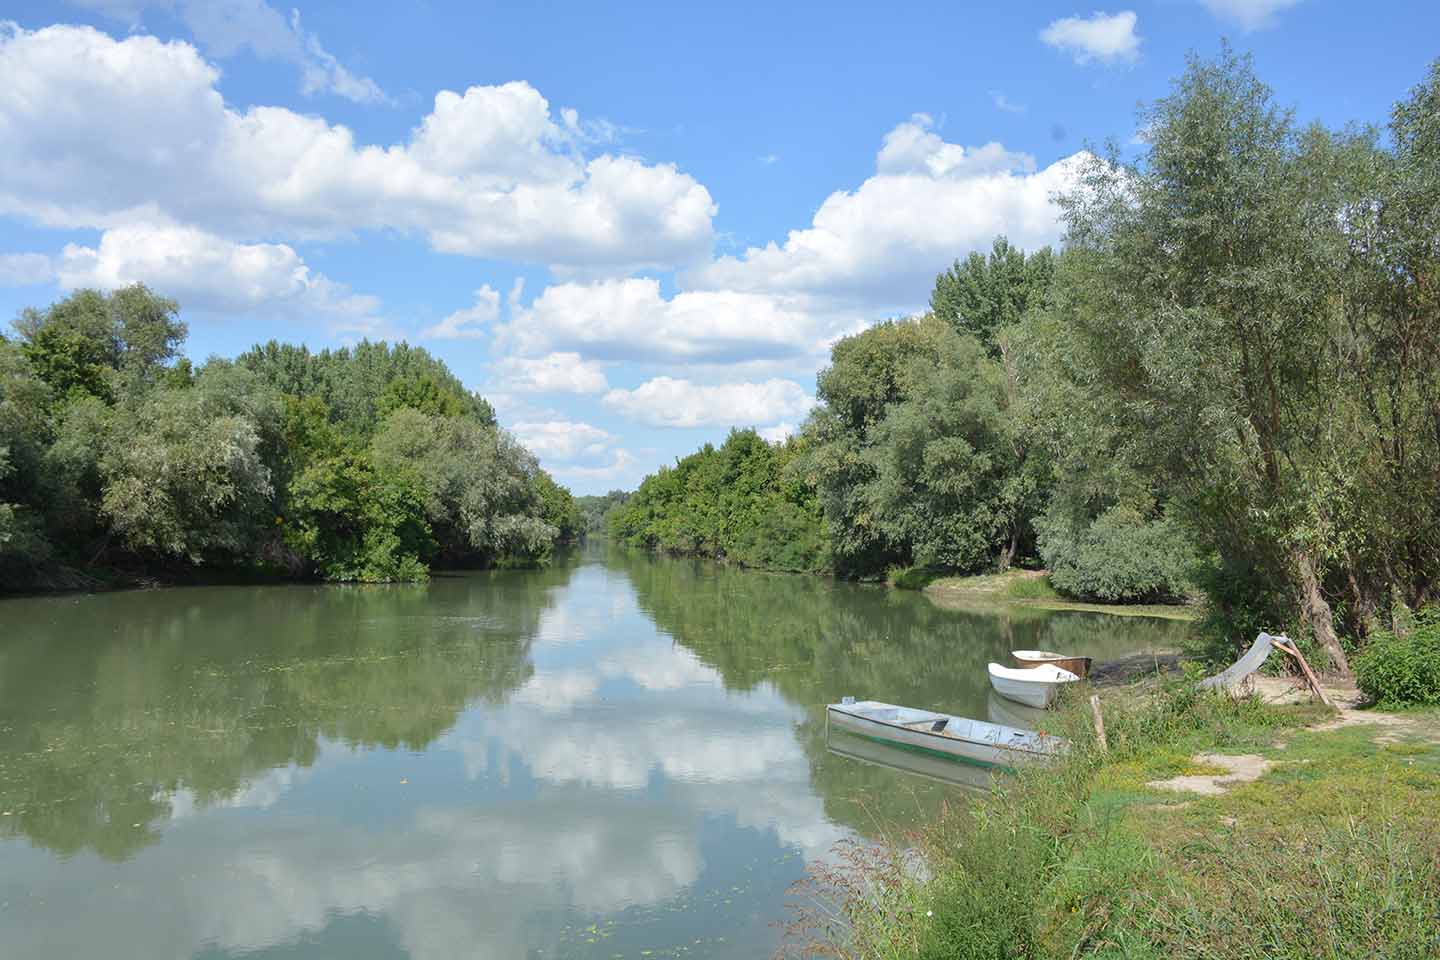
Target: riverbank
1030, 588
1210, 828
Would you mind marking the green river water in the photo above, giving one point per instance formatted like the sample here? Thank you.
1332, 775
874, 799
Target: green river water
618, 756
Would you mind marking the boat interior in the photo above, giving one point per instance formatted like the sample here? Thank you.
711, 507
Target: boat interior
942, 724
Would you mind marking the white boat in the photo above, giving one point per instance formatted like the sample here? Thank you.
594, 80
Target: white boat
1032, 686
959, 738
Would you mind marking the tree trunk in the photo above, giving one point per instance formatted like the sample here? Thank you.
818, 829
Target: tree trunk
1007, 555
1366, 607
1317, 611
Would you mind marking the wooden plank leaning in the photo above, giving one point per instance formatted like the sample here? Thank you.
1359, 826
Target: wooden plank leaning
1294, 651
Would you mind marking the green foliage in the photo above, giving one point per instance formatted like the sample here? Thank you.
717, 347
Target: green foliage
1120, 557
559, 508
100, 344
71, 469
1247, 303
738, 502
24, 431
361, 385
183, 474
1403, 669
918, 453
357, 523
420, 392
912, 578
941, 460
596, 511
478, 486
985, 295
363, 463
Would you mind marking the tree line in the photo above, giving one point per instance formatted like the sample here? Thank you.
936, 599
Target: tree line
1222, 385
370, 463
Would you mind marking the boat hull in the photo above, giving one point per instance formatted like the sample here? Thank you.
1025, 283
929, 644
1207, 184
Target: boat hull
995, 746
910, 761
1038, 689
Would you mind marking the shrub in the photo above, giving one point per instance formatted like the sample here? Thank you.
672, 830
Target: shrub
1396, 670
1120, 557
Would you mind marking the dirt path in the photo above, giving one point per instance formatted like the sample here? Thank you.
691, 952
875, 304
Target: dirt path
1348, 699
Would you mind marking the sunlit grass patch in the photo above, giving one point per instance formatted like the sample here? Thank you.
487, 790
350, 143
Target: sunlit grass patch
1031, 588
913, 578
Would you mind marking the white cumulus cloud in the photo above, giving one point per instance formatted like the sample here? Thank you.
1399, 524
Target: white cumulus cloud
564, 372
914, 147
623, 469
1249, 14
631, 319
881, 245
869, 253
1103, 37
488, 173
670, 402
209, 273
563, 440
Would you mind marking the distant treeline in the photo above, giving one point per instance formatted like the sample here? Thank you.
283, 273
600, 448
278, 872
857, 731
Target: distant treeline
371, 463
595, 511
1225, 384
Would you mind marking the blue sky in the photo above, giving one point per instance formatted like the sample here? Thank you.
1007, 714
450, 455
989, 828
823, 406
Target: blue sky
629, 226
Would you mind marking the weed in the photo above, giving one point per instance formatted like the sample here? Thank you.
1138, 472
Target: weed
1396, 670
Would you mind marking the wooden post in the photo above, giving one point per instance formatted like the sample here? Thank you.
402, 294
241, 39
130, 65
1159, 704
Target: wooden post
1099, 723
1309, 674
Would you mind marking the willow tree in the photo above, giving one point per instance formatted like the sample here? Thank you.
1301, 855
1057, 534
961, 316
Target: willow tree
1389, 348
1205, 301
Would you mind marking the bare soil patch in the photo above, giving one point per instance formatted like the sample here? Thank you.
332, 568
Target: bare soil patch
1238, 769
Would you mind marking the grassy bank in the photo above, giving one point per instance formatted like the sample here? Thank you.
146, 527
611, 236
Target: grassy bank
1031, 588
1291, 833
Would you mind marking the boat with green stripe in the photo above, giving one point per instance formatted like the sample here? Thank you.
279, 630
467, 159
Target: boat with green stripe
955, 738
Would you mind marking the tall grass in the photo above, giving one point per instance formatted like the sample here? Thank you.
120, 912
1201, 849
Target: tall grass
1065, 861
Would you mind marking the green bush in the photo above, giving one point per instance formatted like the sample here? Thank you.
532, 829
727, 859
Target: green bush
736, 502
1397, 670
1121, 557
913, 578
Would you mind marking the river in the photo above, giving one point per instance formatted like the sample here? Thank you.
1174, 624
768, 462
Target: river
617, 756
